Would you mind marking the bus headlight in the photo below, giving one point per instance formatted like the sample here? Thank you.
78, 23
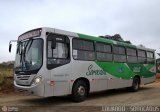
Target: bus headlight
37, 80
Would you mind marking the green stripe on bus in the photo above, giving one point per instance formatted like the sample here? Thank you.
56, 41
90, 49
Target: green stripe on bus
124, 70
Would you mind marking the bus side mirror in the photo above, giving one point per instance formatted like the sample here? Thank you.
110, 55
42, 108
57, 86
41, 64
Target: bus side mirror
10, 47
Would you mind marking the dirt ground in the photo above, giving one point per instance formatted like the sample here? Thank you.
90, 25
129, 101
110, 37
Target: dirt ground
158, 75
148, 95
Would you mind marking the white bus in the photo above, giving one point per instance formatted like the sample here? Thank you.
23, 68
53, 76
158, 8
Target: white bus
53, 62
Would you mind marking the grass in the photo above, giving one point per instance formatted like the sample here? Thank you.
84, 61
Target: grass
5, 83
4, 73
2, 79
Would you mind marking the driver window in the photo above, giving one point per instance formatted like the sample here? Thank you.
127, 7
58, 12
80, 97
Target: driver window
59, 55
61, 50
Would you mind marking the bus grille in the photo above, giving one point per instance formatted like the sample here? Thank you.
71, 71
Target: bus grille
23, 77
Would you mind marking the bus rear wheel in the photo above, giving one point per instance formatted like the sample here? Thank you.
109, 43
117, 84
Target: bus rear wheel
79, 91
135, 84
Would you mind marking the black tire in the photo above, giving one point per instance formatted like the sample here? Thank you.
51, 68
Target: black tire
79, 91
135, 84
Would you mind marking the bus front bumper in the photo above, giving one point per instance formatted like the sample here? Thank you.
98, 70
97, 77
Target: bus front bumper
37, 90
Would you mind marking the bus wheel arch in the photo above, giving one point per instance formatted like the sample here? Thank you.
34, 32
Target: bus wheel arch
80, 84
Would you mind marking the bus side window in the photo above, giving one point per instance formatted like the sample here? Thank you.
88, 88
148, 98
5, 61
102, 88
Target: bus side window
60, 55
103, 52
150, 58
119, 54
142, 58
131, 55
83, 50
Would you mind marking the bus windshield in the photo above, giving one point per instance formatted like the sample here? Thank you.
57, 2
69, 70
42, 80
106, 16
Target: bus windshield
29, 55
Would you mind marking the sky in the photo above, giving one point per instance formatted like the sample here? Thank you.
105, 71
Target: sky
135, 20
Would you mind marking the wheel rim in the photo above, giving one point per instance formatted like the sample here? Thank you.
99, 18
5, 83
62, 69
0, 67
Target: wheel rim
81, 91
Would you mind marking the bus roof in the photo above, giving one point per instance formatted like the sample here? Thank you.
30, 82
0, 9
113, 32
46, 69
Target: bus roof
89, 37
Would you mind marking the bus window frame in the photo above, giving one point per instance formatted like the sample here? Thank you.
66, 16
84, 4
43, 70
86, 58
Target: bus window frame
132, 55
103, 52
52, 66
142, 57
84, 49
119, 54
151, 58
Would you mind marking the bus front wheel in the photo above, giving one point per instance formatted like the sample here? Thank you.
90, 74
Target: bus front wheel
79, 91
